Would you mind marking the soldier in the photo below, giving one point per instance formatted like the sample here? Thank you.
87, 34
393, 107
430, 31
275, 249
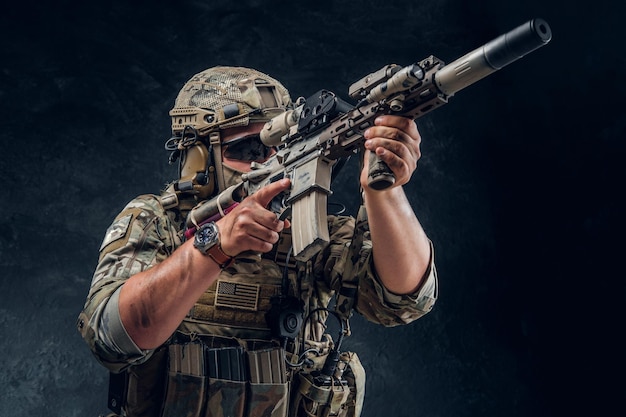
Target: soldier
226, 323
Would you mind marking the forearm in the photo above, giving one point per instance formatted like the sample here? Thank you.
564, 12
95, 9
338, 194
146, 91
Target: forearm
400, 247
153, 303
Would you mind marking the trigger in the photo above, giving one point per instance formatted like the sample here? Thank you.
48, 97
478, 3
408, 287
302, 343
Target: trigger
278, 206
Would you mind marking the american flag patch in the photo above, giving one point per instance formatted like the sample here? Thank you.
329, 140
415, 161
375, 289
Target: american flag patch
237, 295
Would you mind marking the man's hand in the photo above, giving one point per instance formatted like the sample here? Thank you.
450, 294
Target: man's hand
251, 226
396, 141
401, 249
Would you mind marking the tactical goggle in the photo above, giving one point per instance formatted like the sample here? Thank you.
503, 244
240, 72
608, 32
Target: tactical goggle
247, 148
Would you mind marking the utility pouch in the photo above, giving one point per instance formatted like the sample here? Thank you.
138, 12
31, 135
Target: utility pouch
227, 382
117, 391
268, 400
341, 396
186, 382
145, 386
268, 389
226, 398
314, 399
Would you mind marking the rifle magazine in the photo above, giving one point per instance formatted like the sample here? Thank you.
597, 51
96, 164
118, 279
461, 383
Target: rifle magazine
310, 224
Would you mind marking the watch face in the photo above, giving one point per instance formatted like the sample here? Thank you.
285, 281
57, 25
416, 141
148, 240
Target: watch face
206, 237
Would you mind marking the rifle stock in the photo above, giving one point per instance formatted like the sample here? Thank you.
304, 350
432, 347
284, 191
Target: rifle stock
322, 129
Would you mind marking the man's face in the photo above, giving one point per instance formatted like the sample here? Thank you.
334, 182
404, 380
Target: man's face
245, 147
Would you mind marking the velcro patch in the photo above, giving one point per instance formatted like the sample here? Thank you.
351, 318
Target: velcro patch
237, 295
116, 231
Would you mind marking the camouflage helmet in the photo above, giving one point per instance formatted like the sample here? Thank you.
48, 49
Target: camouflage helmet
223, 97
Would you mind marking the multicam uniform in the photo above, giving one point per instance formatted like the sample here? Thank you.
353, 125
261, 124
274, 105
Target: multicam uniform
223, 359
230, 317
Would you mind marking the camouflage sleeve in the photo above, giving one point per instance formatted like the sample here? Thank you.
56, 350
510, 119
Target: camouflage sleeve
379, 305
140, 237
349, 263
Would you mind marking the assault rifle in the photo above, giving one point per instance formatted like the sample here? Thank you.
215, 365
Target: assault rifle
324, 129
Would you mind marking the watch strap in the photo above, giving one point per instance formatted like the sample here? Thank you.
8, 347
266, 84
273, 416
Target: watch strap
217, 254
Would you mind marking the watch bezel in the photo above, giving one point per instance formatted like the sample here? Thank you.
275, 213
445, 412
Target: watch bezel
206, 237
207, 241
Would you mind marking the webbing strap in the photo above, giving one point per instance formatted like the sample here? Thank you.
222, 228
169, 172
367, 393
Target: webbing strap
216, 143
349, 280
281, 251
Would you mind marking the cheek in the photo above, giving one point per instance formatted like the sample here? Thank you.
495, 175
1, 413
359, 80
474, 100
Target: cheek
241, 166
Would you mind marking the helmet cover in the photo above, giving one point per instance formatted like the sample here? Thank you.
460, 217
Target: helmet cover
223, 97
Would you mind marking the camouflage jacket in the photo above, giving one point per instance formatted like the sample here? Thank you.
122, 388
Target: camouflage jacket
144, 234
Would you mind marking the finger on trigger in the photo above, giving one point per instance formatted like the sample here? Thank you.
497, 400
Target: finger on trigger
265, 195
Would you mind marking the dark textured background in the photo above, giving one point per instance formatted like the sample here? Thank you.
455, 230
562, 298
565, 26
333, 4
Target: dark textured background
518, 187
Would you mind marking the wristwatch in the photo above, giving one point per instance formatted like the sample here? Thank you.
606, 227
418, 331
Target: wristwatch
207, 241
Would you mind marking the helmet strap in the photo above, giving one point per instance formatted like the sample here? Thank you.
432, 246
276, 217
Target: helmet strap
216, 144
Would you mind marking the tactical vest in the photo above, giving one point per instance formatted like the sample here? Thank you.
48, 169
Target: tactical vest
225, 358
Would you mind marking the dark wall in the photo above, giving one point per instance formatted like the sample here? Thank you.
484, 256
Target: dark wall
519, 187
